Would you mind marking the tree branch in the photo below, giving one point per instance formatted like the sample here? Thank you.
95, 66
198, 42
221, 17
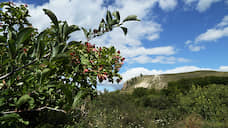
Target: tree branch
37, 110
11, 73
6, 75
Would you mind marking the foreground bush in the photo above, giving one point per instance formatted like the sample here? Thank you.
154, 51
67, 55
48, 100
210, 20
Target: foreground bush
43, 74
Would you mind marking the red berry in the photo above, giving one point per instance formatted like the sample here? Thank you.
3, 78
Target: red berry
25, 50
94, 49
88, 50
122, 59
118, 80
95, 31
85, 70
91, 61
26, 5
104, 77
118, 52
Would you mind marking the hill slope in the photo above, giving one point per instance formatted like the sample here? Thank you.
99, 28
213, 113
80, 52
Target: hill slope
161, 81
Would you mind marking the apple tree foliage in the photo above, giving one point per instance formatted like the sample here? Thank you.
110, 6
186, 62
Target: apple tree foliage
44, 70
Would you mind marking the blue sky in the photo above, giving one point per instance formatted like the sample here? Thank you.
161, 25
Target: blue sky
173, 35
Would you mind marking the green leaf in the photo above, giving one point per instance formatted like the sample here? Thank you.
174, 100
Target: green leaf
2, 39
24, 34
25, 99
72, 28
115, 21
116, 14
74, 43
12, 48
12, 118
101, 25
131, 18
65, 27
3, 4
52, 16
55, 51
45, 72
68, 92
60, 58
84, 60
108, 17
77, 99
124, 30
40, 50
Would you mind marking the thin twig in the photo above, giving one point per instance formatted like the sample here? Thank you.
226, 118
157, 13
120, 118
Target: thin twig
11, 73
36, 110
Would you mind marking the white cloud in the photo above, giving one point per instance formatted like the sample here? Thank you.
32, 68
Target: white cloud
134, 51
202, 5
223, 68
224, 22
153, 37
88, 13
213, 34
167, 5
188, 42
137, 71
219, 31
195, 48
184, 69
83, 13
192, 46
158, 59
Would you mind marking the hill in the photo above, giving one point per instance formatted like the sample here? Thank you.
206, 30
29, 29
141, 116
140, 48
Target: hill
161, 81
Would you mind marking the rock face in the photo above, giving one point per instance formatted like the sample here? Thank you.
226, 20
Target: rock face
154, 81
161, 81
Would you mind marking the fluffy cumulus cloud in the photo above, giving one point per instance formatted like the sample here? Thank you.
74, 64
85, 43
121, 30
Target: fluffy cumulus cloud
193, 46
158, 59
224, 22
167, 5
219, 31
212, 34
88, 13
223, 68
137, 71
202, 5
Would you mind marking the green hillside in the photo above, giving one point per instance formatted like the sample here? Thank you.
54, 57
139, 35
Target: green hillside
161, 81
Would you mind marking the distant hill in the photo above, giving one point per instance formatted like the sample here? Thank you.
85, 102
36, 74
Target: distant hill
161, 81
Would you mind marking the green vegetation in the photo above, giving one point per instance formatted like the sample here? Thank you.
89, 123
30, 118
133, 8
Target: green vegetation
46, 79
184, 85
201, 106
